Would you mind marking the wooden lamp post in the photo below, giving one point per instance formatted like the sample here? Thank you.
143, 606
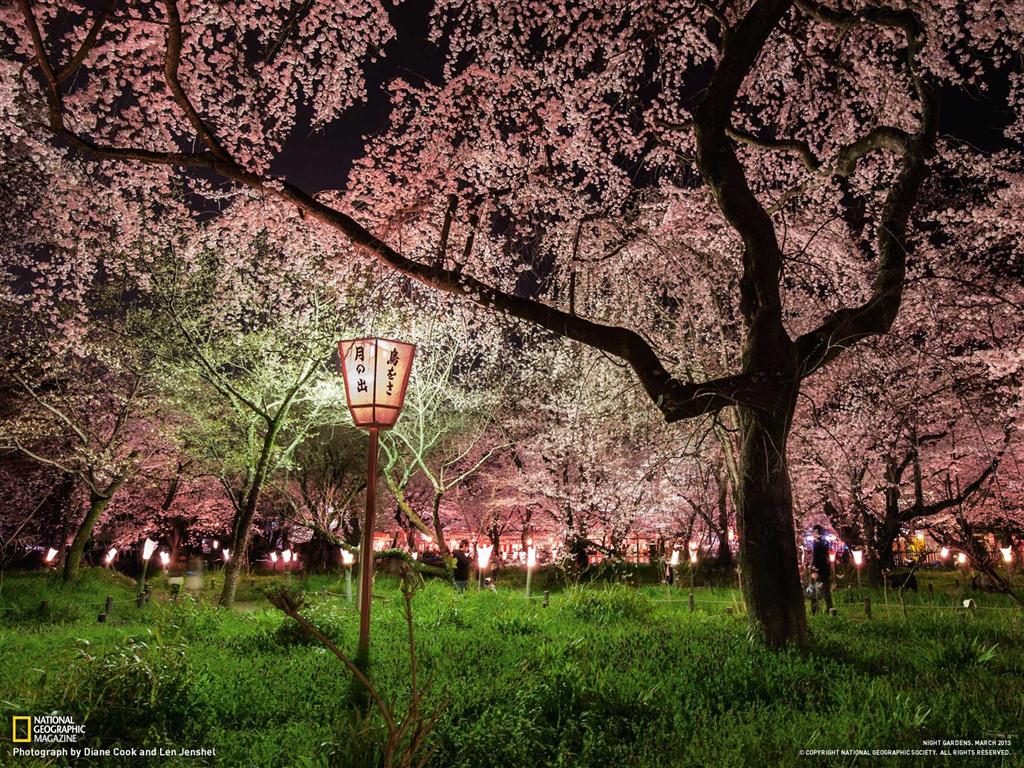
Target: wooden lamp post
376, 373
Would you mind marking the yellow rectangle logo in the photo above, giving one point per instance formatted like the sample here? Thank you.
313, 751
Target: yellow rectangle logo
27, 720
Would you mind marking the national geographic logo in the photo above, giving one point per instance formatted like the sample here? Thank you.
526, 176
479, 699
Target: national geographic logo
21, 729
45, 729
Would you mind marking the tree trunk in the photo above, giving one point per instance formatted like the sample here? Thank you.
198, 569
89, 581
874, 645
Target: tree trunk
724, 553
97, 503
764, 516
495, 536
883, 557
242, 532
435, 512
241, 537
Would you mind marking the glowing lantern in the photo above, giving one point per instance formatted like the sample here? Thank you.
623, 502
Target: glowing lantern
51, 553
732, 534
483, 556
693, 554
148, 548
286, 556
832, 557
858, 557
944, 553
961, 558
347, 558
376, 373
165, 558
227, 554
216, 544
273, 557
531, 561
111, 555
674, 560
1007, 553
919, 535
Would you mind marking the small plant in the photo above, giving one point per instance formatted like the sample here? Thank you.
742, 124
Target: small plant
401, 741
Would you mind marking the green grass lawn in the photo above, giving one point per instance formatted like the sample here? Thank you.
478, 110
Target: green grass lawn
600, 677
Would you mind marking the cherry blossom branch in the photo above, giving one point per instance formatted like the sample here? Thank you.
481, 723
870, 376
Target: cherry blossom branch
876, 315
171, 61
762, 258
676, 399
87, 44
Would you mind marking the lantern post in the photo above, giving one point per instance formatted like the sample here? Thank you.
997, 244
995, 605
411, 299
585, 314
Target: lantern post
483, 559
148, 548
531, 562
376, 374
347, 558
858, 560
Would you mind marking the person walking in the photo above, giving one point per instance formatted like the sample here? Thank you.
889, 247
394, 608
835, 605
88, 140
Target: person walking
463, 563
821, 563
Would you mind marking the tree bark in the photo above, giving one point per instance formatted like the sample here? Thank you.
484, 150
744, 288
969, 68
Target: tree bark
764, 516
98, 501
724, 553
242, 532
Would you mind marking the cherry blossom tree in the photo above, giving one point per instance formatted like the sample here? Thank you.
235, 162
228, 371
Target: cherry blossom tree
450, 428
244, 354
546, 125
65, 421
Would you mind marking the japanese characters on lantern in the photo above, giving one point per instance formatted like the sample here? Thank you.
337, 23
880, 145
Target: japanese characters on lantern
376, 373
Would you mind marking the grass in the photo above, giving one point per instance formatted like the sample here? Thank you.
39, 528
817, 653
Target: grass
603, 676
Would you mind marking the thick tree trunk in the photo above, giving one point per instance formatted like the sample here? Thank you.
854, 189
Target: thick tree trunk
764, 515
97, 503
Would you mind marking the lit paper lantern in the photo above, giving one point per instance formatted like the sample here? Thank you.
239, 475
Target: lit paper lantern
961, 558
944, 553
693, 554
347, 558
165, 558
227, 554
531, 557
674, 560
148, 549
483, 556
832, 557
273, 557
376, 373
51, 553
111, 555
1007, 554
858, 557
286, 556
